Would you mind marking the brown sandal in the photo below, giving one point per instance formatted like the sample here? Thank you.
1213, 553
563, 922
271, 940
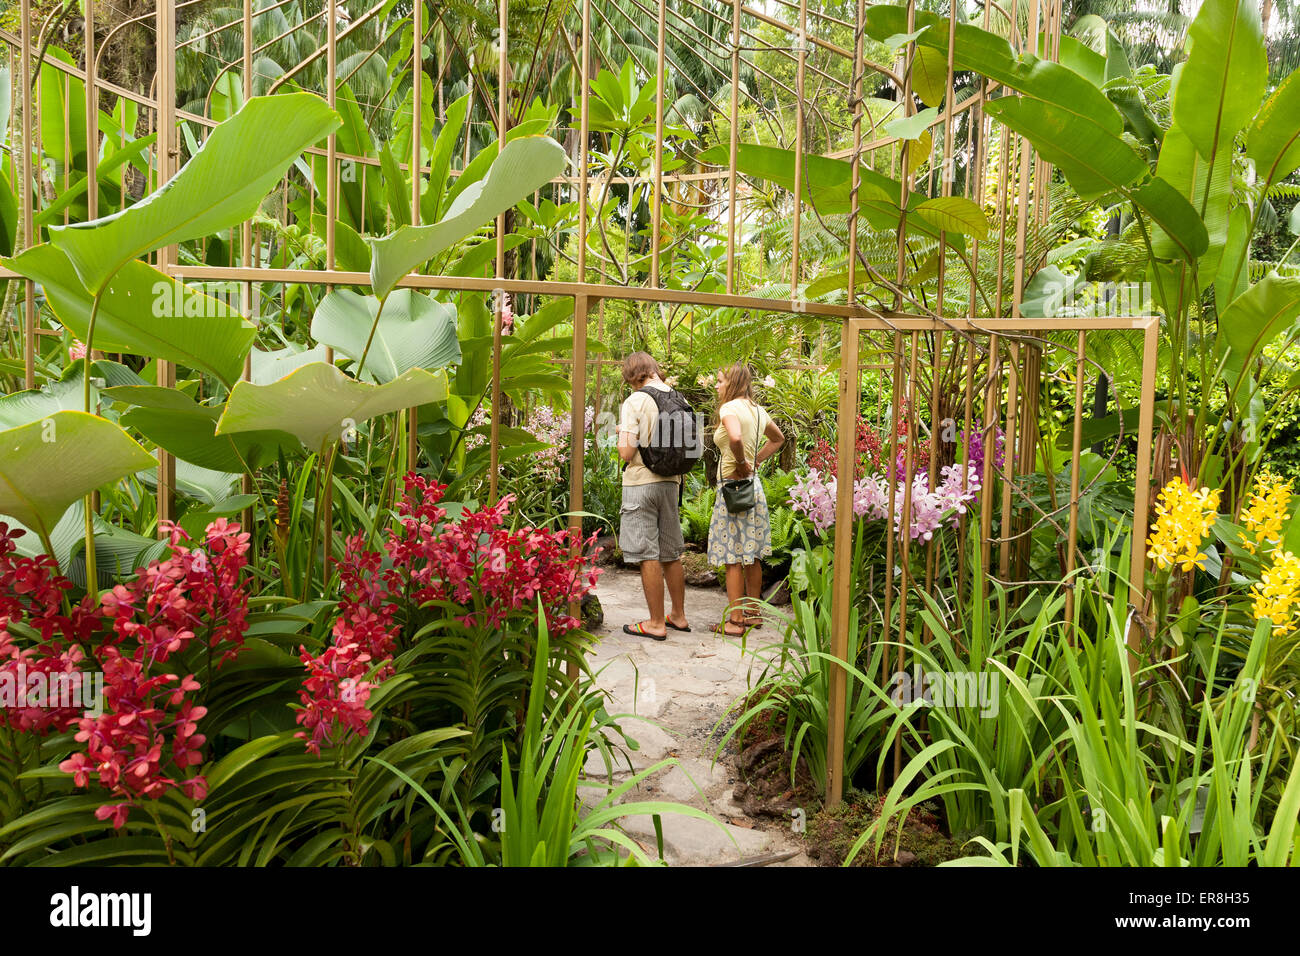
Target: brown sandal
721, 628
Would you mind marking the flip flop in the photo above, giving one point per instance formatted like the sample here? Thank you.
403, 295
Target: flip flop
721, 629
684, 630
638, 630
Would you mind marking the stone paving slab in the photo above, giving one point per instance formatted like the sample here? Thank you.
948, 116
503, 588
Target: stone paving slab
675, 692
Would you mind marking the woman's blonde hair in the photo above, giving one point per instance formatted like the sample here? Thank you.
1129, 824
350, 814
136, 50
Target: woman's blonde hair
738, 382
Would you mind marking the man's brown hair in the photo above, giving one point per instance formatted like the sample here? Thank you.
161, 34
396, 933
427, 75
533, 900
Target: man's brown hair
638, 368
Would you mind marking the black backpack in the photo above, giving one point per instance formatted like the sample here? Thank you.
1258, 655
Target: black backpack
675, 442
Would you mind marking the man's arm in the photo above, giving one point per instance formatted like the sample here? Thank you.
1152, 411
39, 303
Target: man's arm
629, 433
627, 445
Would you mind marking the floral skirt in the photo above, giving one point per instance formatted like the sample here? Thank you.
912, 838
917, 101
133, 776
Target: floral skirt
743, 538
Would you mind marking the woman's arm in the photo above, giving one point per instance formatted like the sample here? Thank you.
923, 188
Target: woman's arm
775, 439
737, 443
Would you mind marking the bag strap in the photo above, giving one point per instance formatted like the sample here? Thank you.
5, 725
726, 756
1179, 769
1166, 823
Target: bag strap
658, 395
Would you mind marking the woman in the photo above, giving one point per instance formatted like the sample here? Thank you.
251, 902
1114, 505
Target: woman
740, 541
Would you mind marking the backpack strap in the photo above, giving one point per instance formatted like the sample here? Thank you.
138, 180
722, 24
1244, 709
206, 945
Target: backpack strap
657, 395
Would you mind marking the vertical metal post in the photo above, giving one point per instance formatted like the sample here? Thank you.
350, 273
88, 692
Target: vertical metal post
656, 207
841, 595
92, 115
503, 120
167, 153
584, 132
734, 147
577, 435
846, 433
417, 109
802, 62
331, 215
1076, 445
904, 175
992, 403
1009, 466
1142, 485
27, 198
246, 246
331, 142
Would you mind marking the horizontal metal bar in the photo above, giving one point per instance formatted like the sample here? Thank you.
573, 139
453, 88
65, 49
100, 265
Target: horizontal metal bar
543, 287
1022, 324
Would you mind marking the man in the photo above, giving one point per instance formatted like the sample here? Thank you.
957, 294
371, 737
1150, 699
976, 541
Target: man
650, 532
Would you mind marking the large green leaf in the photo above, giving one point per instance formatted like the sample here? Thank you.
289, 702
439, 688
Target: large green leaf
431, 203
32, 405
107, 180
1220, 85
930, 75
205, 484
1093, 158
1127, 96
414, 331
144, 312
827, 186
221, 186
175, 422
1097, 162
1273, 140
1083, 60
274, 365
1231, 281
1254, 319
523, 167
1174, 215
911, 127
317, 403
46, 465
118, 551
1207, 188
955, 214
62, 114
992, 56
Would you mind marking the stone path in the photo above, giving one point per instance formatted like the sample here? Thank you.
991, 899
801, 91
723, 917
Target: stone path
673, 694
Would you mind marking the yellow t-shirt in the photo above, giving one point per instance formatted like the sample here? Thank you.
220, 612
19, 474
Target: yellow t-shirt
638, 417
753, 422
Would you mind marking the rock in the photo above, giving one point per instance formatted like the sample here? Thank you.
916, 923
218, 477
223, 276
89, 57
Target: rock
697, 571
639, 695
778, 593
694, 687
654, 743
593, 615
606, 547
753, 754
799, 859
704, 578
692, 840
716, 674
680, 783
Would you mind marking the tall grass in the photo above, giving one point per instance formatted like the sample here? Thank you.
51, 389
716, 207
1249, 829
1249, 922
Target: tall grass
1079, 766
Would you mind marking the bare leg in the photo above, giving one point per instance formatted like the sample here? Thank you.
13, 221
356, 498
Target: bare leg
652, 583
734, 622
753, 591
675, 577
